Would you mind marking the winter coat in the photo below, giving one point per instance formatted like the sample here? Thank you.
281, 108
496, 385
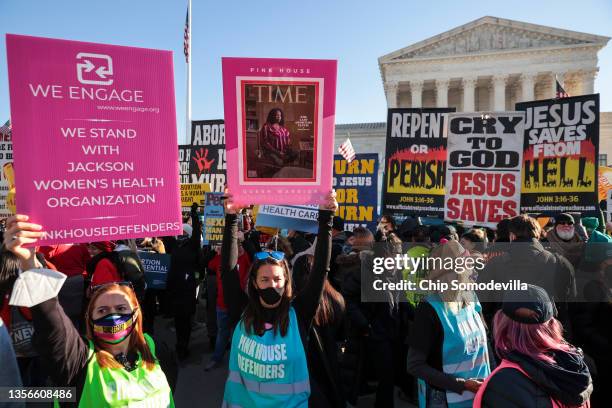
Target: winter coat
185, 263
528, 261
567, 381
572, 250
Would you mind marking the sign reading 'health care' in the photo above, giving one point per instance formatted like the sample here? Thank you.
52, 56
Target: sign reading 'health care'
81, 114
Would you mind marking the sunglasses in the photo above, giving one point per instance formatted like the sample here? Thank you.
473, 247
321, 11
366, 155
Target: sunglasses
565, 223
278, 255
125, 283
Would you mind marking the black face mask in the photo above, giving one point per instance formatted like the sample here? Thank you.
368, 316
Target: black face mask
270, 295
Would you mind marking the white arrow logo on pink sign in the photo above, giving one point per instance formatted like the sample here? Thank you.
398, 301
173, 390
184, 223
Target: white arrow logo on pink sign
85, 65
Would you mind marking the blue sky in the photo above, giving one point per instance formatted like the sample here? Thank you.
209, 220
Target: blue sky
354, 32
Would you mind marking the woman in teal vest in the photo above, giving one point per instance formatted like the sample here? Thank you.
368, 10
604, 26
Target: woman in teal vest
448, 353
268, 366
117, 364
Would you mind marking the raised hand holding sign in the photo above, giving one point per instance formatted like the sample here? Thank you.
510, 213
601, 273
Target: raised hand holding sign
20, 232
35, 285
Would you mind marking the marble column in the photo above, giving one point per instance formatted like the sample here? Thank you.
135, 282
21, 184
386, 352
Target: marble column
527, 86
499, 92
416, 91
587, 81
469, 86
442, 93
391, 89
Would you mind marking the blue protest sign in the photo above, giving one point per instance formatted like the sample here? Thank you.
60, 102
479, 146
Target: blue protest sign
156, 268
214, 219
292, 217
356, 186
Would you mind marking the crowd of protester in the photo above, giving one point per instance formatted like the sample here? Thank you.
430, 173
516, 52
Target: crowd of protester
289, 308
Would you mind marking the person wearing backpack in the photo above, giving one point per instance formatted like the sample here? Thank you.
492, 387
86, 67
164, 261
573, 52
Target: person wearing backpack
130, 268
101, 269
115, 263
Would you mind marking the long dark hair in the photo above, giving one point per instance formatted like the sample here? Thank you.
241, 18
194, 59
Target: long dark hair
9, 271
254, 318
271, 114
93, 262
331, 305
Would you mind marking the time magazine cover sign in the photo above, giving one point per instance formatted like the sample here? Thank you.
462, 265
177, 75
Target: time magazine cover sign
81, 114
279, 127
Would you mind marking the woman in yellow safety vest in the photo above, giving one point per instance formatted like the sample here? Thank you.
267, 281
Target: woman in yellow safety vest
117, 364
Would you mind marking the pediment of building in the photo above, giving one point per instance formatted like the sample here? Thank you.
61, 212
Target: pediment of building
491, 34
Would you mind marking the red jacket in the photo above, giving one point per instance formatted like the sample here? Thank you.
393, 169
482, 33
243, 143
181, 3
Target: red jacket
105, 272
5, 311
243, 271
70, 259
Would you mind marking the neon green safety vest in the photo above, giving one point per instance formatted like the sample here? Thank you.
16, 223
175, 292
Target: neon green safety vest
117, 387
416, 276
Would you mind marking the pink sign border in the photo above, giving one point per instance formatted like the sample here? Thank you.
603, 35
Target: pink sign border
236, 70
16, 42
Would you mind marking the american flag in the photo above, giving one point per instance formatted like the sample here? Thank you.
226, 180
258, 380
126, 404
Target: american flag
560, 91
6, 128
347, 151
186, 38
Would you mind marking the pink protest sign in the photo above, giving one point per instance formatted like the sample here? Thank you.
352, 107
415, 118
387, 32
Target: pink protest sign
279, 129
94, 139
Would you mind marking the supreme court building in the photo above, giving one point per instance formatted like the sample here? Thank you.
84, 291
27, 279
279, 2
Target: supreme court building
486, 65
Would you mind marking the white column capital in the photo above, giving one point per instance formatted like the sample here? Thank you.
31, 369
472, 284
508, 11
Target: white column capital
528, 86
442, 83
588, 80
528, 76
391, 86
499, 92
588, 73
416, 90
500, 80
391, 89
469, 89
416, 85
469, 82
442, 92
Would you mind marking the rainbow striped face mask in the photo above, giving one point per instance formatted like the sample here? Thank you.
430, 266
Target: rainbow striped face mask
115, 327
